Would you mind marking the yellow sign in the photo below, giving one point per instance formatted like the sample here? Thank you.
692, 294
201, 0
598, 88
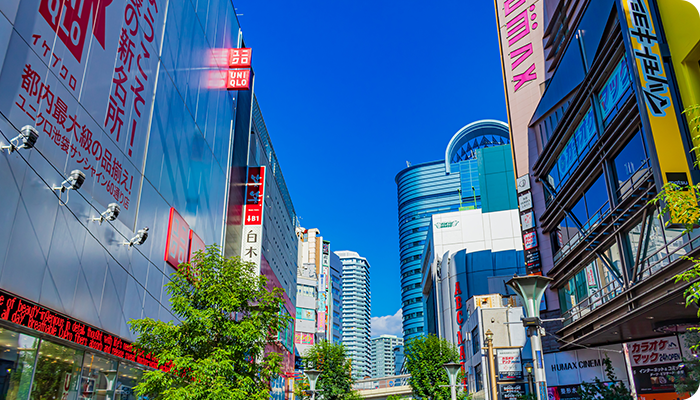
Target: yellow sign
656, 91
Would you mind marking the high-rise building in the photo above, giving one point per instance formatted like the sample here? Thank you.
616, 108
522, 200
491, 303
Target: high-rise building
398, 359
336, 298
383, 355
356, 312
598, 140
436, 187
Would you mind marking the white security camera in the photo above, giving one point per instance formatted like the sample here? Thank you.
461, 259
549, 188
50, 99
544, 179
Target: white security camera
110, 214
27, 136
139, 239
74, 181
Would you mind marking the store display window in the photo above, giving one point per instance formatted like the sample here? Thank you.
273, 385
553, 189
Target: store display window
57, 372
17, 354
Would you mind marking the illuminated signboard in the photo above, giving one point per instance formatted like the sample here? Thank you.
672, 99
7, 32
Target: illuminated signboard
253, 216
239, 58
25, 313
178, 242
530, 240
238, 79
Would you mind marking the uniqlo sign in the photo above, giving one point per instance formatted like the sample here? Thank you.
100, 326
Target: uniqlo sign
196, 244
238, 79
178, 243
239, 58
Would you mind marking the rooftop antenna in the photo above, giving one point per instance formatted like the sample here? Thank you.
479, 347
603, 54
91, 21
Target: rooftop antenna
408, 164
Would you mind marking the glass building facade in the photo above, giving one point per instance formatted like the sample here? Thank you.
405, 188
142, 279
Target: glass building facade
134, 100
432, 188
356, 312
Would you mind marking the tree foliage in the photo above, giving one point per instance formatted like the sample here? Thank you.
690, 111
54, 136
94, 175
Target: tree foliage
613, 390
335, 381
425, 357
682, 204
216, 351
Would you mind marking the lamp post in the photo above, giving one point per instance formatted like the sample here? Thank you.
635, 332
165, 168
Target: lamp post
492, 367
531, 289
313, 375
528, 369
452, 369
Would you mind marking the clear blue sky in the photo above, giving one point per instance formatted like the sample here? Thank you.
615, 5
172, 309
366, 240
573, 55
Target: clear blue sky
350, 91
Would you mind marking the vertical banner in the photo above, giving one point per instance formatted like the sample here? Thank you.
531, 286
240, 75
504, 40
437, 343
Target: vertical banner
251, 248
655, 91
520, 30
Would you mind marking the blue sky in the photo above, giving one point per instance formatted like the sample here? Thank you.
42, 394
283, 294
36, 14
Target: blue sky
350, 91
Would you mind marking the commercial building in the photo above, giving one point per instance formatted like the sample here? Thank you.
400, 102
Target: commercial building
599, 140
356, 312
319, 282
437, 187
141, 158
383, 355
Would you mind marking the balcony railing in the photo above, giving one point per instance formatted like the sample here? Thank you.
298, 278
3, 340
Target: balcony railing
638, 178
650, 266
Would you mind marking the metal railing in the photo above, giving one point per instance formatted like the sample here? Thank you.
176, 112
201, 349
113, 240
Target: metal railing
381, 383
648, 267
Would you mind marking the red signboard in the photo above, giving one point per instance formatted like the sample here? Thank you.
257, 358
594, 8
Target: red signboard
196, 244
178, 243
22, 312
238, 79
255, 193
239, 58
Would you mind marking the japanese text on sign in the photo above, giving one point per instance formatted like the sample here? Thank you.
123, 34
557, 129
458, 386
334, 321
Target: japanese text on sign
647, 53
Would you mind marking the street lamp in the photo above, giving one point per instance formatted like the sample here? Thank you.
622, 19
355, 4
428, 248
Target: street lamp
452, 369
492, 367
528, 369
531, 289
313, 375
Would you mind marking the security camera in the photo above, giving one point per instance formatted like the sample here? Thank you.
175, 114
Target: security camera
74, 182
27, 136
139, 239
110, 214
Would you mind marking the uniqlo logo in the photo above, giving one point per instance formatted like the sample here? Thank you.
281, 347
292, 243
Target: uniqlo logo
239, 58
178, 242
238, 80
71, 20
196, 244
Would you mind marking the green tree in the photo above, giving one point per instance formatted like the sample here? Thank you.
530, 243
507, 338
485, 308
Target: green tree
613, 390
689, 380
335, 381
682, 203
216, 351
425, 357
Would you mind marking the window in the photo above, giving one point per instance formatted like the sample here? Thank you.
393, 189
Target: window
629, 164
478, 378
476, 340
617, 88
16, 364
575, 149
586, 213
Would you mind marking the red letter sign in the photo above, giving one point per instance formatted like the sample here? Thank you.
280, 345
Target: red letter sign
239, 58
238, 80
177, 245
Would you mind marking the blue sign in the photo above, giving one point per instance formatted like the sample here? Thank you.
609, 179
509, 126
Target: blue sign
614, 88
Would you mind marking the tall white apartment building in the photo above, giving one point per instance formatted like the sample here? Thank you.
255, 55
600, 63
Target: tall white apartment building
383, 360
356, 312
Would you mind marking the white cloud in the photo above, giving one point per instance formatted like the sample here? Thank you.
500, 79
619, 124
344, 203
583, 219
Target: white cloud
388, 325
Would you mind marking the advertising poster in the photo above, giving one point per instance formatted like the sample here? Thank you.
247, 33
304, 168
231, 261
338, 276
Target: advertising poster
512, 391
509, 364
84, 76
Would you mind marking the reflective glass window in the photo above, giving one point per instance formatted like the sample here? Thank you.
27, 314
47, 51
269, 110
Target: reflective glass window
476, 342
617, 87
127, 379
629, 163
567, 297
611, 270
98, 378
17, 353
57, 374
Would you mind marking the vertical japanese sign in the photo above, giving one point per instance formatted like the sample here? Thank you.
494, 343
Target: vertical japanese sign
325, 304
253, 216
520, 32
655, 94
83, 73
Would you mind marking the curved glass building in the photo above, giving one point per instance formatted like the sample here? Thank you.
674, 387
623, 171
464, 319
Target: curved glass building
436, 187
